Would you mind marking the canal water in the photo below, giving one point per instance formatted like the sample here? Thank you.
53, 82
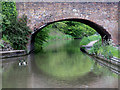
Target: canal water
60, 65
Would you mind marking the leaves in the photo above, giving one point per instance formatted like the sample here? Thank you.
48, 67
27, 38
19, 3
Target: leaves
76, 29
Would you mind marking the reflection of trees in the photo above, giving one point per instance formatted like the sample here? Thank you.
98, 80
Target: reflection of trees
62, 66
70, 46
88, 77
68, 63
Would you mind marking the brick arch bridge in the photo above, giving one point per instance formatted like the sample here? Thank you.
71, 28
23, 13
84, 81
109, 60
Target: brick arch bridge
101, 16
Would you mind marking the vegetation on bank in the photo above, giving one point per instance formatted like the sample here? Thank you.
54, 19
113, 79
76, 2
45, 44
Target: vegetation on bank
14, 30
55, 35
88, 39
107, 48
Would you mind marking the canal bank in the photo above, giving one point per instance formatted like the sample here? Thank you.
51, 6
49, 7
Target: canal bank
112, 59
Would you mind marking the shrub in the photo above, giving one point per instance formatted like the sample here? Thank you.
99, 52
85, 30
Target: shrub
17, 33
15, 30
96, 47
9, 13
108, 50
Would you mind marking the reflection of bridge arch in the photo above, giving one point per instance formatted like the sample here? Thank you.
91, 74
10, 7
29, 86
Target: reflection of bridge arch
37, 73
95, 26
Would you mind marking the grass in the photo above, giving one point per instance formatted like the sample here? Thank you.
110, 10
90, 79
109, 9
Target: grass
88, 39
99, 48
104, 49
55, 35
109, 49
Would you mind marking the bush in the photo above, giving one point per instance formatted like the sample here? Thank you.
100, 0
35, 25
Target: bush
15, 30
9, 13
96, 47
17, 33
104, 49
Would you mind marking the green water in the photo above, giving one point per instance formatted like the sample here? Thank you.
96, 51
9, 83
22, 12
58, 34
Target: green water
61, 65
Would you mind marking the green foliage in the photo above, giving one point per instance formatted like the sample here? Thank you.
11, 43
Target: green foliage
95, 48
109, 51
14, 30
1, 44
88, 39
61, 26
40, 39
9, 13
9, 9
75, 29
5, 38
107, 48
104, 49
17, 33
55, 35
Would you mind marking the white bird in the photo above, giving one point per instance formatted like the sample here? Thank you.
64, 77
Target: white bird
20, 64
24, 63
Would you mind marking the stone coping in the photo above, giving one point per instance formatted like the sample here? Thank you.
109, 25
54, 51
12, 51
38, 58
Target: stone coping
13, 53
1, 52
113, 68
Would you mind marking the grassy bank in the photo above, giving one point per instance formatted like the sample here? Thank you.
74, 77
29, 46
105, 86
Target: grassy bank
100, 48
56, 35
88, 39
107, 50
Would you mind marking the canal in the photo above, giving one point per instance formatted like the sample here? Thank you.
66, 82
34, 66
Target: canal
60, 65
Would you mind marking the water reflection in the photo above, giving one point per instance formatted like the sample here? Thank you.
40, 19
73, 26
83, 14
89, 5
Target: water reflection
61, 65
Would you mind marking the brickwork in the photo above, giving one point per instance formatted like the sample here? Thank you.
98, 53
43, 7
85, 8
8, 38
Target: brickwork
102, 13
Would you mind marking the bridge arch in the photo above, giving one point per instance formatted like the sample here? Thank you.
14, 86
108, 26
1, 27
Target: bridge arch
104, 34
